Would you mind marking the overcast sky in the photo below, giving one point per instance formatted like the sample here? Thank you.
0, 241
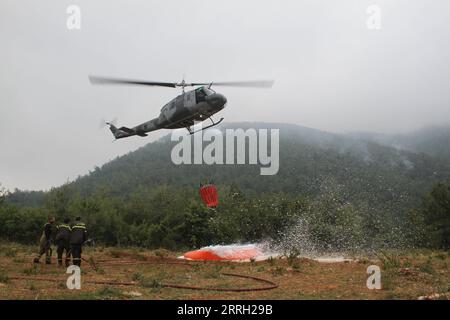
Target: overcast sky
331, 71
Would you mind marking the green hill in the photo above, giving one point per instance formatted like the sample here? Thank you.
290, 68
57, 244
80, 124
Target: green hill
349, 191
309, 159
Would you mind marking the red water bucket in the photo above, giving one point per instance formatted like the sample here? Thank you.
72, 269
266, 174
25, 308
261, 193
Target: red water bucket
209, 195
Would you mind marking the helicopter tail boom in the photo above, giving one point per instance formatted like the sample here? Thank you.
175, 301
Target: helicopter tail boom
124, 132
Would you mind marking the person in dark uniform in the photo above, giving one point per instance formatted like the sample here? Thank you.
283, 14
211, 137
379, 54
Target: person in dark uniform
63, 232
77, 238
45, 243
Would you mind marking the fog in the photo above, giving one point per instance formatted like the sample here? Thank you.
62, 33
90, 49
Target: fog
332, 72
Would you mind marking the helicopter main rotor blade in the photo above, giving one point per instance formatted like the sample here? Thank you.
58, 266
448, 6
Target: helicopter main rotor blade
102, 80
247, 84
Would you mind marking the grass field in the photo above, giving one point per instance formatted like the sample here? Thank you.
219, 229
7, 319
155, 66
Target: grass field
404, 275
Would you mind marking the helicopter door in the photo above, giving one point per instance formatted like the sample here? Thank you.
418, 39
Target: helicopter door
189, 99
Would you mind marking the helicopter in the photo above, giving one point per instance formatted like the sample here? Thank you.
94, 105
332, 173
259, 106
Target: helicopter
192, 106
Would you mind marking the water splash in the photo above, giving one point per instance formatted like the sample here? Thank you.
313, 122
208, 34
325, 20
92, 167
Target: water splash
256, 252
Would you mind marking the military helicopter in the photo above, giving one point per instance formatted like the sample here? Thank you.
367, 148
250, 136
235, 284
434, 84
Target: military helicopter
196, 105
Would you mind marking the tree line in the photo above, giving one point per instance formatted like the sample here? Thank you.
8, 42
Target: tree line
175, 218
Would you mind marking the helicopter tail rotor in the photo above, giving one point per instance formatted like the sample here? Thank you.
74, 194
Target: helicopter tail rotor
121, 132
116, 132
104, 123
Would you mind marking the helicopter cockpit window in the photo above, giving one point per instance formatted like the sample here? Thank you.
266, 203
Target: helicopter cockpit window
200, 94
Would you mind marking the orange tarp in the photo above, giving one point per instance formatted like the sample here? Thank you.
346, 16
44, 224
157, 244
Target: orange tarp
237, 254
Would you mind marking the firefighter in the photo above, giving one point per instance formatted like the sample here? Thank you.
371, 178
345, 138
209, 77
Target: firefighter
77, 238
63, 232
45, 243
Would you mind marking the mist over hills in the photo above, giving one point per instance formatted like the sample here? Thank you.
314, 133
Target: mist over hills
434, 141
378, 168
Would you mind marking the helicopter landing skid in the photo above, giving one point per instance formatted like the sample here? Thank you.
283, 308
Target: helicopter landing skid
211, 125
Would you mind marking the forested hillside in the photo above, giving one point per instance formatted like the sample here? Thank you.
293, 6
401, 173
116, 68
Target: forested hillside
308, 159
347, 192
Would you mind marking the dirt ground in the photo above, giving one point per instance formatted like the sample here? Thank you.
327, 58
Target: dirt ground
404, 275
